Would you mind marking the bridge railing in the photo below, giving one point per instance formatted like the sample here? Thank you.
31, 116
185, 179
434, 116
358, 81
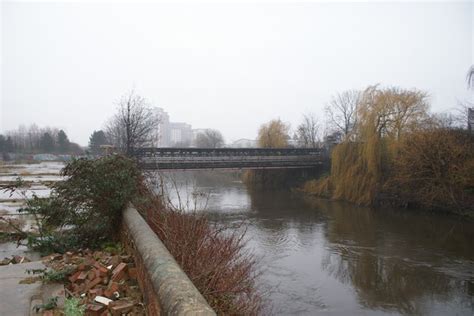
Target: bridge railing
210, 158
193, 152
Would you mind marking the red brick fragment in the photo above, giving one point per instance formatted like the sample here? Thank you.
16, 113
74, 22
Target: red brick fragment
120, 307
93, 283
74, 277
94, 309
113, 287
102, 270
95, 292
119, 272
82, 276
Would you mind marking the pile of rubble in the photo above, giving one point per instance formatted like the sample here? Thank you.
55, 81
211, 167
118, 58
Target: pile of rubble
14, 260
106, 284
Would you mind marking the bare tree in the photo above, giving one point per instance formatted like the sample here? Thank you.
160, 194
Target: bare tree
210, 138
135, 125
341, 111
470, 77
307, 133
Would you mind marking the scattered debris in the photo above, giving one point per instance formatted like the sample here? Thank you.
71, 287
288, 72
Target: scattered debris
14, 260
105, 284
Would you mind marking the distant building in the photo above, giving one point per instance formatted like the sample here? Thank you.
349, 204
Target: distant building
175, 134
181, 134
163, 127
470, 120
244, 143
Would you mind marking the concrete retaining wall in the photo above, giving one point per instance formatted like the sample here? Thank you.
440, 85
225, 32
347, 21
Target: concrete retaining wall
166, 288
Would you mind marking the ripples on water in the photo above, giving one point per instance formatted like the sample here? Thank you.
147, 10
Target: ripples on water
322, 257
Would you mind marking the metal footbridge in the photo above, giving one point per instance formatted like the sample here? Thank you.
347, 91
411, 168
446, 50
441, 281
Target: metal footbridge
228, 158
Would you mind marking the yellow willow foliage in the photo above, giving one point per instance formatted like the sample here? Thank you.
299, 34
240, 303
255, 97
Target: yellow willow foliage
360, 163
273, 134
319, 187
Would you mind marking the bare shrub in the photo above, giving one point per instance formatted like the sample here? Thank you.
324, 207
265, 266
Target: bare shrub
215, 260
435, 168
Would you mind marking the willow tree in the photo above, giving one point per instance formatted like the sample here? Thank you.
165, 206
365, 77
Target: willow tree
361, 162
273, 134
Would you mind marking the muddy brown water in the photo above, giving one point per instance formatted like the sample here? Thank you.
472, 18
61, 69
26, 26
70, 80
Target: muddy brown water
321, 257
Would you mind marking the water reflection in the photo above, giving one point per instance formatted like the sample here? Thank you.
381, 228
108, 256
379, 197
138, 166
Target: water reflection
397, 261
334, 258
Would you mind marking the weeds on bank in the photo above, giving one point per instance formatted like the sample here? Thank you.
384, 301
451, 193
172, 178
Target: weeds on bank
73, 307
215, 259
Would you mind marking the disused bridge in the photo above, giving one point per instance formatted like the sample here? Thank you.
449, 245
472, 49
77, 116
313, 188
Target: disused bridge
229, 158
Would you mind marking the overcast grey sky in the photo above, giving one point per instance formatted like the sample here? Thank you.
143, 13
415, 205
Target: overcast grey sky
226, 66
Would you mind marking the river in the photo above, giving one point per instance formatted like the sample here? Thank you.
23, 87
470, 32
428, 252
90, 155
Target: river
321, 257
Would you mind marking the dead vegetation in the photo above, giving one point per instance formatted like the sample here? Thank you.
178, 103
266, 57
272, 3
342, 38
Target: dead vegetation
214, 259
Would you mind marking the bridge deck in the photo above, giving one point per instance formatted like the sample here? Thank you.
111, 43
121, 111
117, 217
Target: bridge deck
228, 158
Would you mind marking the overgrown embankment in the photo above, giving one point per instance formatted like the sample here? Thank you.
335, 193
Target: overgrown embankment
85, 211
397, 153
216, 261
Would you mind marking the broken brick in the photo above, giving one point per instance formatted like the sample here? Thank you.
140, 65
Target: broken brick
120, 307
94, 309
103, 270
93, 283
74, 277
113, 287
119, 272
82, 276
95, 292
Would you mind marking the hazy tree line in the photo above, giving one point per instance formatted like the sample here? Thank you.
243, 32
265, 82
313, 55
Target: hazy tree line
33, 139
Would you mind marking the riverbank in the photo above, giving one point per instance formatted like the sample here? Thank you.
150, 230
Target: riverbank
56, 283
431, 168
84, 210
324, 257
